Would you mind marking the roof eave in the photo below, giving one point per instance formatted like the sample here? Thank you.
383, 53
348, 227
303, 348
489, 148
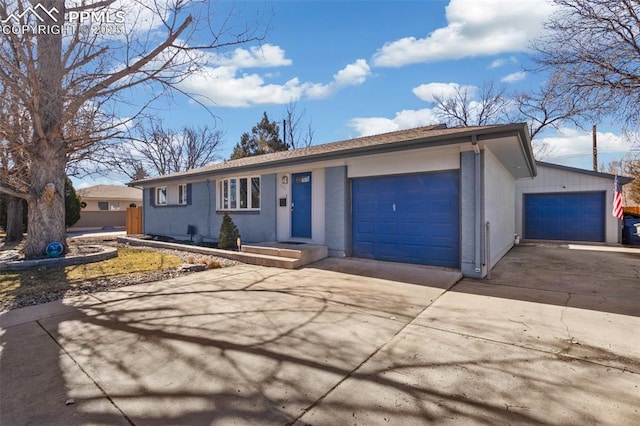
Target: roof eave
433, 141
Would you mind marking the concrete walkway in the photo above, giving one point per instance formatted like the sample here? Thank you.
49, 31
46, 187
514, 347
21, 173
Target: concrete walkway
334, 343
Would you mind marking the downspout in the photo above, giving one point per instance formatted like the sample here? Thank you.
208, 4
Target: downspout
478, 212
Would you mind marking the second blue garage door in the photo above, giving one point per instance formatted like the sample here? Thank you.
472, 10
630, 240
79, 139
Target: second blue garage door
573, 216
408, 218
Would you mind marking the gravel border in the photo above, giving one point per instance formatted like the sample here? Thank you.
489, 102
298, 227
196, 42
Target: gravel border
112, 283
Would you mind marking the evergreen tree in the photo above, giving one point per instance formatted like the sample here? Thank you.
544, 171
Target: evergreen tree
72, 210
71, 204
227, 239
263, 139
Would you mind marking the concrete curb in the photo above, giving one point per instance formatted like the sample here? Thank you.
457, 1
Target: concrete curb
24, 265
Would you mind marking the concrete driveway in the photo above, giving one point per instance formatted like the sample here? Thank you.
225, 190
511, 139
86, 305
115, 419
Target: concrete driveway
551, 338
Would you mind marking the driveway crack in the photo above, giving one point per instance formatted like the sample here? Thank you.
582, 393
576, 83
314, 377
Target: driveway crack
86, 373
570, 339
371, 355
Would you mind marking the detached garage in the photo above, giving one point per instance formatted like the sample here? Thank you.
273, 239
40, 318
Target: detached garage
572, 216
566, 204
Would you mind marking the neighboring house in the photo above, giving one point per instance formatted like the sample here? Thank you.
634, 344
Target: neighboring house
431, 195
106, 206
568, 204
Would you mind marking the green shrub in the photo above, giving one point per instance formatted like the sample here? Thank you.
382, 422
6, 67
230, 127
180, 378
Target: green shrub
228, 234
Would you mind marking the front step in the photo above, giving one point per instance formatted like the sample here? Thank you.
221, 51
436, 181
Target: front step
302, 253
272, 251
270, 254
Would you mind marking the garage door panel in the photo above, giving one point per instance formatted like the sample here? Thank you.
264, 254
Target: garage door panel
416, 218
574, 216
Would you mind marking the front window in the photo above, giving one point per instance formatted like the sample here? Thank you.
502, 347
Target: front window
240, 193
161, 195
182, 194
108, 205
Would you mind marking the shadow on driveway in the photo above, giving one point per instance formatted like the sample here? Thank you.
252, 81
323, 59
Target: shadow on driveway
555, 274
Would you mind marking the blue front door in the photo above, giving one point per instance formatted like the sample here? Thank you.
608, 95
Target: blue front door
301, 205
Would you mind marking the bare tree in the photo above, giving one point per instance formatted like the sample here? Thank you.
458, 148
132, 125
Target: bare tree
57, 68
465, 107
546, 107
591, 49
14, 171
629, 165
155, 150
298, 134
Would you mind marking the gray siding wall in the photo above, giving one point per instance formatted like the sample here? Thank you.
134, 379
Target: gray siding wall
337, 212
469, 242
257, 227
499, 207
172, 221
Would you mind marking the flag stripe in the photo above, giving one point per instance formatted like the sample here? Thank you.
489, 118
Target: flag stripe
617, 199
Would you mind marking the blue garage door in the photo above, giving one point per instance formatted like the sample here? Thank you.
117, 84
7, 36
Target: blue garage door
408, 218
573, 216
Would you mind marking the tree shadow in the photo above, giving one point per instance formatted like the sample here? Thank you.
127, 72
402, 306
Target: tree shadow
249, 348
555, 275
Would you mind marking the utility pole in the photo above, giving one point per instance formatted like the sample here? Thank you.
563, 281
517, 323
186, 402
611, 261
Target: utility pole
284, 131
595, 148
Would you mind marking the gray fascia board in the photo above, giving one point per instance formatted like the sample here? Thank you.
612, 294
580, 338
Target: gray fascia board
623, 179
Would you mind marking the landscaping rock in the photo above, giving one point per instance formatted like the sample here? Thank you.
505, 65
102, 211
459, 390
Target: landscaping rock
9, 255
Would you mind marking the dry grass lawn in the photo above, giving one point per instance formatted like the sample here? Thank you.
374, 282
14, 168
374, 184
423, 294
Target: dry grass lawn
14, 285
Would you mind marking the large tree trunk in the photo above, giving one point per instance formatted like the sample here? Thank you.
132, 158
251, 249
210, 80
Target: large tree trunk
47, 150
46, 205
14, 219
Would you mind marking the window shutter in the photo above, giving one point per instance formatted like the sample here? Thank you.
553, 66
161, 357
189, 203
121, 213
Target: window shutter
152, 196
188, 194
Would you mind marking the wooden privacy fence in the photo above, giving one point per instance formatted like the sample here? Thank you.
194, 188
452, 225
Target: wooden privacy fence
134, 220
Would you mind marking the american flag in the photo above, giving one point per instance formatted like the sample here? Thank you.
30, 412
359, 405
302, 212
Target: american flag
617, 199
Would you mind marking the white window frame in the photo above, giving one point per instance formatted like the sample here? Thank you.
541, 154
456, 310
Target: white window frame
182, 194
166, 194
111, 206
226, 198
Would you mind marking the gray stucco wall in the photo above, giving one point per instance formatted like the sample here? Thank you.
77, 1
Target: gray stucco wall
172, 221
468, 217
337, 212
499, 207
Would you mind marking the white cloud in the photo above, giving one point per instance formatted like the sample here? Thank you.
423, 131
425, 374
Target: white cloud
513, 77
475, 27
226, 85
503, 61
498, 63
264, 56
427, 92
352, 75
406, 119
572, 143
222, 86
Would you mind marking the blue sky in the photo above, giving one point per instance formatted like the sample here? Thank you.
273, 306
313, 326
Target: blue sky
366, 67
